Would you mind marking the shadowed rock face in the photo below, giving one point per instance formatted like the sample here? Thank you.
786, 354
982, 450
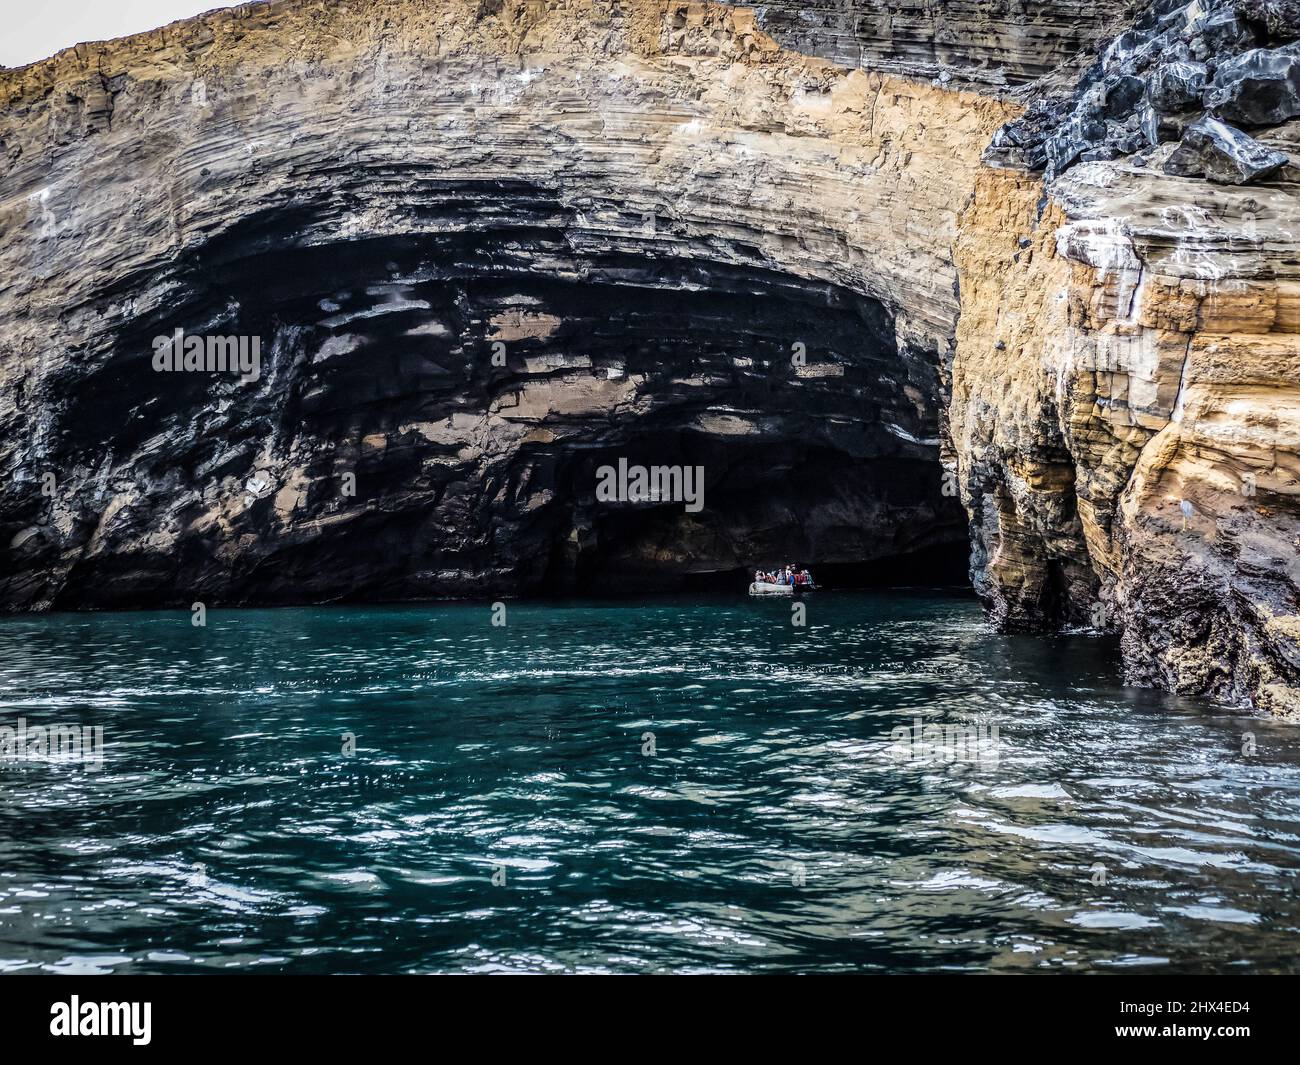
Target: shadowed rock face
491, 248
384, 452
1007, 43
478, 271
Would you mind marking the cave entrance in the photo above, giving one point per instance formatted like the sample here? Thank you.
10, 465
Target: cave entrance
469, 381
945, 565
856, 521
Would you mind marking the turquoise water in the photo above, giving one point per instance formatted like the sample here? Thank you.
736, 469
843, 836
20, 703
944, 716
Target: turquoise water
503, 809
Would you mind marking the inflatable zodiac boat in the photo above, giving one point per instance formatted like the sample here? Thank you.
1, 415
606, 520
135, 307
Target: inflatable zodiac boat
786, 590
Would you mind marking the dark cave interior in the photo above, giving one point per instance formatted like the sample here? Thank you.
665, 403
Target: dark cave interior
472, 380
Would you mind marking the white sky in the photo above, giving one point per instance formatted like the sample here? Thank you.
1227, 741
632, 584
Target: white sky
34, 29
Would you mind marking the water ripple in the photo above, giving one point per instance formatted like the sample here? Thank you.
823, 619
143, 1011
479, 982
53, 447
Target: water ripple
687, 785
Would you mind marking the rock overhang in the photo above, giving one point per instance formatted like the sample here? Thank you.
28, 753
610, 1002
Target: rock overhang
646, 255
1072, 352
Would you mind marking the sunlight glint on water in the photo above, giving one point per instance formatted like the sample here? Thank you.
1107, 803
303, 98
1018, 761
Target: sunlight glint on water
776, 826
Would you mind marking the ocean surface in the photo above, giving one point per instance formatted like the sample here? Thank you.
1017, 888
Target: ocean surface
665, 785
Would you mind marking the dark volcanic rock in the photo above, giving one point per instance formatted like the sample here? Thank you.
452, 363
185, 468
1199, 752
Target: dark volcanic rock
1024, 141
1175, 60
1176, 87
1278, 19
1149, 124
1076, 137
1218, 31
1217, 151
1152, 73
1123, 96
1259, 88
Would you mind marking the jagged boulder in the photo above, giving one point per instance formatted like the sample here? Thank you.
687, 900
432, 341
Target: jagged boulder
1279, 19
1152, 82
1074, 138
1258, 88
1123, 96
1215, 28
1149, 124
1219, 152
1176, 87
1133, 52
1021, 142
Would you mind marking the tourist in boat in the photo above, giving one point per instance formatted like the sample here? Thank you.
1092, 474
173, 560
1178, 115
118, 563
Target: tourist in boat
790, 576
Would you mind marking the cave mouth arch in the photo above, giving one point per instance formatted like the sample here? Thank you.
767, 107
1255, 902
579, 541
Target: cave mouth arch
469, 380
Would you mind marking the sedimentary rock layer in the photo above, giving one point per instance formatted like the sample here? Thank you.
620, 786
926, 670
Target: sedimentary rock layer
994, 43
491, 246
1126, 411
691, 247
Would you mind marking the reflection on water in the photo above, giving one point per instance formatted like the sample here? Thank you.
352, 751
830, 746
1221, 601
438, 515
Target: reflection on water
666, 785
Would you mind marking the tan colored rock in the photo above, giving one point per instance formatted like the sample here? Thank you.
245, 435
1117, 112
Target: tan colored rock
1138, 356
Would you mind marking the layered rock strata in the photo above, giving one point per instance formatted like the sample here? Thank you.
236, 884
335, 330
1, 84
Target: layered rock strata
973, 41
487, 250
1126, 408
490, 247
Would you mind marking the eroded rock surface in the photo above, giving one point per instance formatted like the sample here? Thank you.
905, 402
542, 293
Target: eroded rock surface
1126, 404
490, 246
1131, 449
1203, 71
686, 245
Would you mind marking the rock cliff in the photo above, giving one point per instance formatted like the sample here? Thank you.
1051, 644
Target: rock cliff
1126, 403
984, 42
821, 250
